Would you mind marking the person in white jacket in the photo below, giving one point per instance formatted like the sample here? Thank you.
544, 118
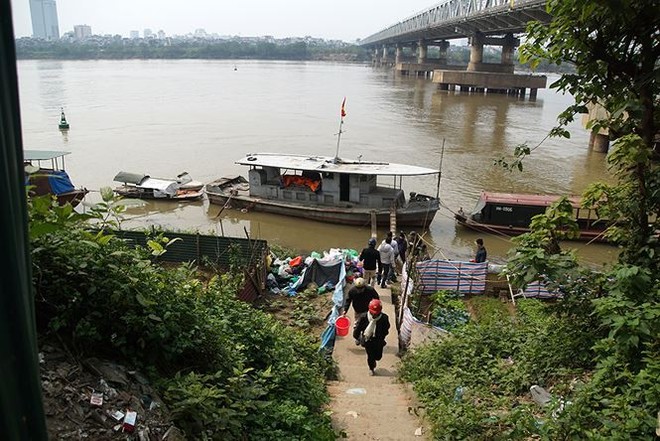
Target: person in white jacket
386, 260
395, 248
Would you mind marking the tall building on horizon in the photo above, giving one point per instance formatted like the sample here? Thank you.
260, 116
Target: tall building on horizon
44, 19
82, 31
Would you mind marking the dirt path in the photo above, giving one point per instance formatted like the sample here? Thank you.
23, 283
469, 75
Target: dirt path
372, 408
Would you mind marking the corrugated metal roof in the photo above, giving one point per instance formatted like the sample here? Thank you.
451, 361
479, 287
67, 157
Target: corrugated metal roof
333, 165
42, 155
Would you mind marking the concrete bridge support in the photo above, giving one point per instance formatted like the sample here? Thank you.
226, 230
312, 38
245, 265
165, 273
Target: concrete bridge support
384, 57
477, 42
508, 48
422, 51
476, 52
599, 142
398, 57
444, 47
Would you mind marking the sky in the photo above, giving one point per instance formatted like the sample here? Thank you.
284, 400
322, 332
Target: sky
345, 20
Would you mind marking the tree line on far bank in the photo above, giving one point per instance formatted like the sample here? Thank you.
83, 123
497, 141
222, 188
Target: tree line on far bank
117, 48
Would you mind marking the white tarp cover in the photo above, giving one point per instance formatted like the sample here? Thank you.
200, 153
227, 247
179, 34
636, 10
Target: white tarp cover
162, 188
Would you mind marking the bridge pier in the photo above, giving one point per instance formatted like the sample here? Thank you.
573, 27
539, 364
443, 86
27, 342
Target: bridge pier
422, 51
476, 51
398, 54
443, 46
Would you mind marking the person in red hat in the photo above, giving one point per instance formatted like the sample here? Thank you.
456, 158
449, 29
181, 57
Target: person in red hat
373, 329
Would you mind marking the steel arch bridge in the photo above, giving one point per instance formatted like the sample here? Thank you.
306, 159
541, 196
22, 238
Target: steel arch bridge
452, 19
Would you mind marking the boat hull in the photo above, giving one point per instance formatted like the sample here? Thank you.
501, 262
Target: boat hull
73, 197
139, 193
508, 230
417, 214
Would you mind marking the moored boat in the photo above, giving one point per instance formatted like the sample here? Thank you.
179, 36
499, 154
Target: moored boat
511, 214
53, 180
141, 186
325, 189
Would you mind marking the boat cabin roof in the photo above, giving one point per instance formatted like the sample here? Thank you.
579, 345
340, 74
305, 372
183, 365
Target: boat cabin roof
42, 155
539, 200
130, 178
333, 165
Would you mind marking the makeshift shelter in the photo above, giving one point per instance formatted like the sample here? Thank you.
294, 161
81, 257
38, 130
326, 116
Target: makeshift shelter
453, 275
322, 273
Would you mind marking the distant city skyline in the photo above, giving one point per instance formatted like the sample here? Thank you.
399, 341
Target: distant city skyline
337, 20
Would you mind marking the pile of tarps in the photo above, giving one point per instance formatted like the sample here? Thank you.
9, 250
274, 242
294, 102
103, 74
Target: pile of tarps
330, 271
292, 275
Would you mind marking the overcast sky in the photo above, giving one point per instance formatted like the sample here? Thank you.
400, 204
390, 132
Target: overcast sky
337, 19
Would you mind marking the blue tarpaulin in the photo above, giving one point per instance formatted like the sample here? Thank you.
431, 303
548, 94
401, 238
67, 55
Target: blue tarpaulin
328, 336
60, 182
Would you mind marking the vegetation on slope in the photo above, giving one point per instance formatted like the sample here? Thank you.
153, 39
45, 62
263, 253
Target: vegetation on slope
226, 370
598, 349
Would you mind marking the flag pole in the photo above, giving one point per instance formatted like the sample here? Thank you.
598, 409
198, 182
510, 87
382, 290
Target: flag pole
442, 154
342, 114
341, 123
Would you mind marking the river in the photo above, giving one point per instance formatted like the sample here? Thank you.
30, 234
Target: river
162, 117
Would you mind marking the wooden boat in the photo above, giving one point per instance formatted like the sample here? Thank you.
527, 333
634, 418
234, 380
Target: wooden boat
141, 186
51, 180
325, 189
511, 214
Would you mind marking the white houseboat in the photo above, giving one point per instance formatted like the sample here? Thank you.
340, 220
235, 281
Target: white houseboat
326, 189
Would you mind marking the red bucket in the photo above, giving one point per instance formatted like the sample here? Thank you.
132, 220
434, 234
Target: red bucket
341, 325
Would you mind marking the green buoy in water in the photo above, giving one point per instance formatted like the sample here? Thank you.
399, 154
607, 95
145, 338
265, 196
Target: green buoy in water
64, 125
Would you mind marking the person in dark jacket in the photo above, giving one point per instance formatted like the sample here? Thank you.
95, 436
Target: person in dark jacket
481, 254
370, 258
373, 329
402, 241
359, 296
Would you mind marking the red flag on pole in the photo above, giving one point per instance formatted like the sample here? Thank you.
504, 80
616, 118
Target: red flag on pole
343, 108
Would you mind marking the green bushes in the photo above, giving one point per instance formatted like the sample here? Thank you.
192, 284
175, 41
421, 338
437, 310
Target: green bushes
475, 383
448, 311
227, 371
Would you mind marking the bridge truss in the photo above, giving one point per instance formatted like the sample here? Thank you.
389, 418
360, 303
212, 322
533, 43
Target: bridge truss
452, 19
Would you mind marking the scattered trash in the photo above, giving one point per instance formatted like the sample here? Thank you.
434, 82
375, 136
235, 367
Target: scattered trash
357, 391
352, 413
117, 428
110, 392
540, 395
41, 358
458, 393
96, 399
143, 435
419, 431
129, 421
117, 415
